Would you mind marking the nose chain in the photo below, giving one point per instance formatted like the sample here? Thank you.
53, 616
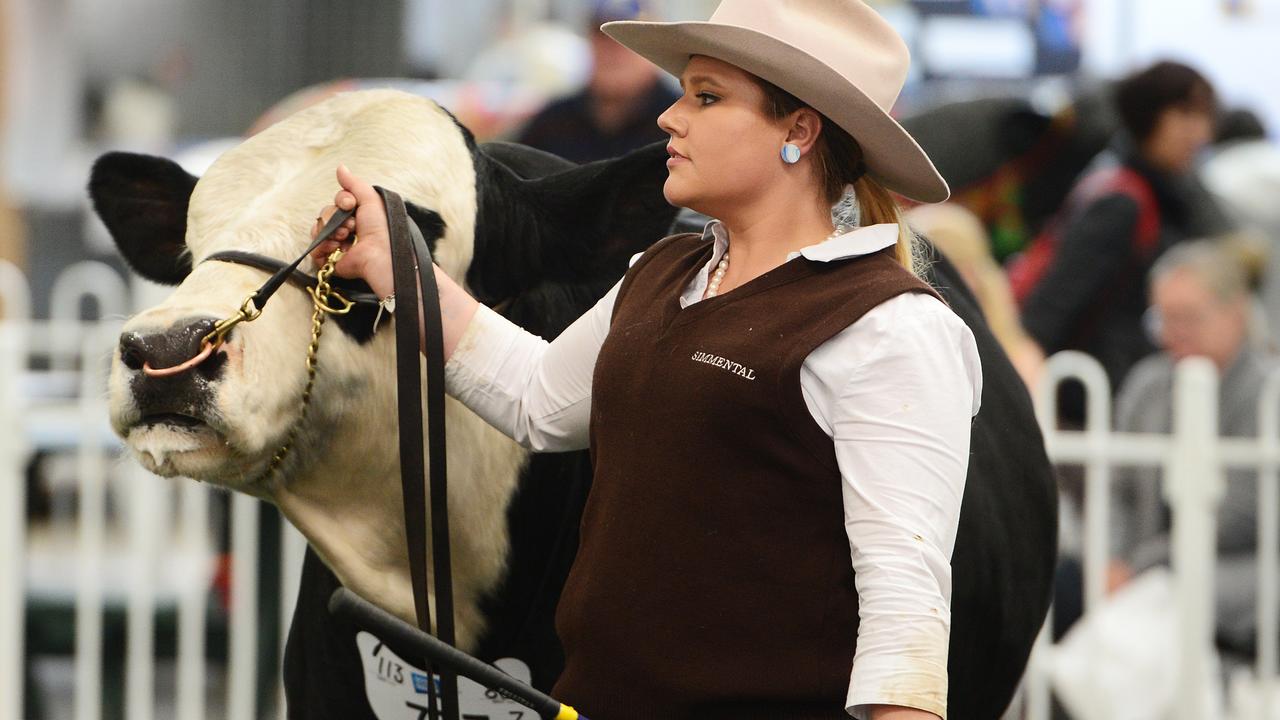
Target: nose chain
321, 307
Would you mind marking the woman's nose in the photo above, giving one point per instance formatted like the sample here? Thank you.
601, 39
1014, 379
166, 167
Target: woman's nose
670, 121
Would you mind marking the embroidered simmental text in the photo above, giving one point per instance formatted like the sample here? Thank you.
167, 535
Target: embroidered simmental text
736, 368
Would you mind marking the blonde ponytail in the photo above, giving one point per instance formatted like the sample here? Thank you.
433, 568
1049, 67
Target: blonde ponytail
877, 205
838, 157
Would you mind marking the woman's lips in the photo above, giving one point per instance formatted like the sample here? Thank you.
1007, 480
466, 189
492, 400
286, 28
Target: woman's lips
676, 158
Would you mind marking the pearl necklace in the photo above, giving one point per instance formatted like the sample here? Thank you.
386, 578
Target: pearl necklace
713, 287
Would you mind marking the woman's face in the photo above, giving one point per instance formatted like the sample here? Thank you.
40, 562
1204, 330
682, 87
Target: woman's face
1177, 138
724, 148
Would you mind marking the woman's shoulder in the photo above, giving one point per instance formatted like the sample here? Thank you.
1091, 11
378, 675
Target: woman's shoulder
911, 309
901, 326
909, 343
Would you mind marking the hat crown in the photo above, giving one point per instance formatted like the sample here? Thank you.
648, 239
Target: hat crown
846, 35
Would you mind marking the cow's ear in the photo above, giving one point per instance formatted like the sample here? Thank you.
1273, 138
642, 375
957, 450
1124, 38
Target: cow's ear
616, 207
540, 221
143, 201
429, 223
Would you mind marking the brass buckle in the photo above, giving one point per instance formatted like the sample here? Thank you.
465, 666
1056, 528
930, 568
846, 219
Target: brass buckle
248, 312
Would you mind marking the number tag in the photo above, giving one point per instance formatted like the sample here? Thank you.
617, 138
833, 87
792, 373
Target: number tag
398, 691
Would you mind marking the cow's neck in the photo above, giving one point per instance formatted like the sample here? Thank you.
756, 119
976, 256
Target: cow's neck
349, 508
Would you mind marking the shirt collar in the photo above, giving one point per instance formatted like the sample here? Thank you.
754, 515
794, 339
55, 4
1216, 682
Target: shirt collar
856, 242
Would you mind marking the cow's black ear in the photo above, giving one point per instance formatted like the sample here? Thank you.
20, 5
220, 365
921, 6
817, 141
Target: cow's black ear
616, 206
429, 223
539, 221
143, 201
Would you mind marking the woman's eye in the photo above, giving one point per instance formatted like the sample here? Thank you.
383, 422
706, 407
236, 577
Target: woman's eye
706, 98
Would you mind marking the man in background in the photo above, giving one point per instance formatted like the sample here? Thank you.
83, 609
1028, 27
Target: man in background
1200, 306
618, 109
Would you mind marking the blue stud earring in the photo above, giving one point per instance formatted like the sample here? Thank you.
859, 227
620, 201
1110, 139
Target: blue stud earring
790, 153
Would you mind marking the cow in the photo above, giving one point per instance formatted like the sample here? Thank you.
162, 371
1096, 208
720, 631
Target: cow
538, 238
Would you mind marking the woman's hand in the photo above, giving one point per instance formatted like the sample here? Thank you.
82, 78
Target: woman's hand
370, 257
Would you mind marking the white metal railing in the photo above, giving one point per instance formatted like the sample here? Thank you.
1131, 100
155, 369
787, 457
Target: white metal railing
16, 298
1194, 460
153, 550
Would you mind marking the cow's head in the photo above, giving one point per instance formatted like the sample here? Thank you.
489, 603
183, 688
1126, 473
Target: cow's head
518, 227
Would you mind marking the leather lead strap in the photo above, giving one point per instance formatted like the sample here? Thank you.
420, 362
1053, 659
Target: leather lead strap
294, 276
282, 275
412, 268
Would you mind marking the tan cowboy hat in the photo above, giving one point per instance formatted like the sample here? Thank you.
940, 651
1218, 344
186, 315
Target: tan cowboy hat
839, 56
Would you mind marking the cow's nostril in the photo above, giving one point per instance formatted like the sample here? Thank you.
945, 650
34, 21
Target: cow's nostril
132, 353
167, 348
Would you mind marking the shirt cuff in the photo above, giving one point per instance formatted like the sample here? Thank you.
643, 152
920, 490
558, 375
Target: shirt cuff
914, 682
471, 368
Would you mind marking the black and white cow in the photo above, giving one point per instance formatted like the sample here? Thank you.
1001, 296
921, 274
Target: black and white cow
543, 238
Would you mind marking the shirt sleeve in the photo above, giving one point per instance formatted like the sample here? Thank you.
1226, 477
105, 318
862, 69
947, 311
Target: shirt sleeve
535, 392
901, 427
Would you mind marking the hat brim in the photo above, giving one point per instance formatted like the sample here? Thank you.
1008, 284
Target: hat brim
892, 156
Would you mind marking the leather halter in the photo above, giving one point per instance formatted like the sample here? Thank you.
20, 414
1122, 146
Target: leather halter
294, 276
349, 289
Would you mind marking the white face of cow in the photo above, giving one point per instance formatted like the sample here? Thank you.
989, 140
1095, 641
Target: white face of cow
553, 237
262, 197
223, 421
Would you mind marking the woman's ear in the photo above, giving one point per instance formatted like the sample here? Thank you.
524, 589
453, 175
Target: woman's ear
806, 125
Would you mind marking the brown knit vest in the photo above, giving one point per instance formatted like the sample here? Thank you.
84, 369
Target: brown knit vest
714, 578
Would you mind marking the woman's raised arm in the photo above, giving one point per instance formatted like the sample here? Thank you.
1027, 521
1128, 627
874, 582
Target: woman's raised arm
535, 392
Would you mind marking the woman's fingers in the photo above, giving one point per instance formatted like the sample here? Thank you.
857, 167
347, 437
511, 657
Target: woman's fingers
343, 233
320, 221
361, 192
369, 259
344, 199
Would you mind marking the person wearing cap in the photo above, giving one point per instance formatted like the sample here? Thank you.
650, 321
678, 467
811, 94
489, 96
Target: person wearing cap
778, 408
614, 113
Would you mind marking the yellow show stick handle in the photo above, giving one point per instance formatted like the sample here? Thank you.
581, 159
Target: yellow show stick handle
401, 635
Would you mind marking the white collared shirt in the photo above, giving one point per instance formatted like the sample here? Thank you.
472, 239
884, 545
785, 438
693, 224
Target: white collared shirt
896, 391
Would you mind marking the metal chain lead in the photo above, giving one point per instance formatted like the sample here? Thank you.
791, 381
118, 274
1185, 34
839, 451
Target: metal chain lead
320, 296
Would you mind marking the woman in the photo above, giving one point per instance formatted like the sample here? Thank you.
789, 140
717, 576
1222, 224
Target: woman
1086, 290
773, 406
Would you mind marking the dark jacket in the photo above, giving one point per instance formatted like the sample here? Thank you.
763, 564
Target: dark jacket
1093, 296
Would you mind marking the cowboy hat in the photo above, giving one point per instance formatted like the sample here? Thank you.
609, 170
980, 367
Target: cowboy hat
838, 56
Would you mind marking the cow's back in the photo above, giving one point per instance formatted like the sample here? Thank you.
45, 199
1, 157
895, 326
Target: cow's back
1002, 567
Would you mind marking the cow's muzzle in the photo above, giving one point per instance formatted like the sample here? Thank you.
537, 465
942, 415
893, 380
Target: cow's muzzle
180, 399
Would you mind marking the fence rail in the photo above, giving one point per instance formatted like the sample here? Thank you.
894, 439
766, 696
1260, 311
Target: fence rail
140, 543
1194, 460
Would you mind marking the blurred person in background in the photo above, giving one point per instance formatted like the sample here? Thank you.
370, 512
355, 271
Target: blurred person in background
1244, 175
960, 235
617, 111
1082, 285
1200, 307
